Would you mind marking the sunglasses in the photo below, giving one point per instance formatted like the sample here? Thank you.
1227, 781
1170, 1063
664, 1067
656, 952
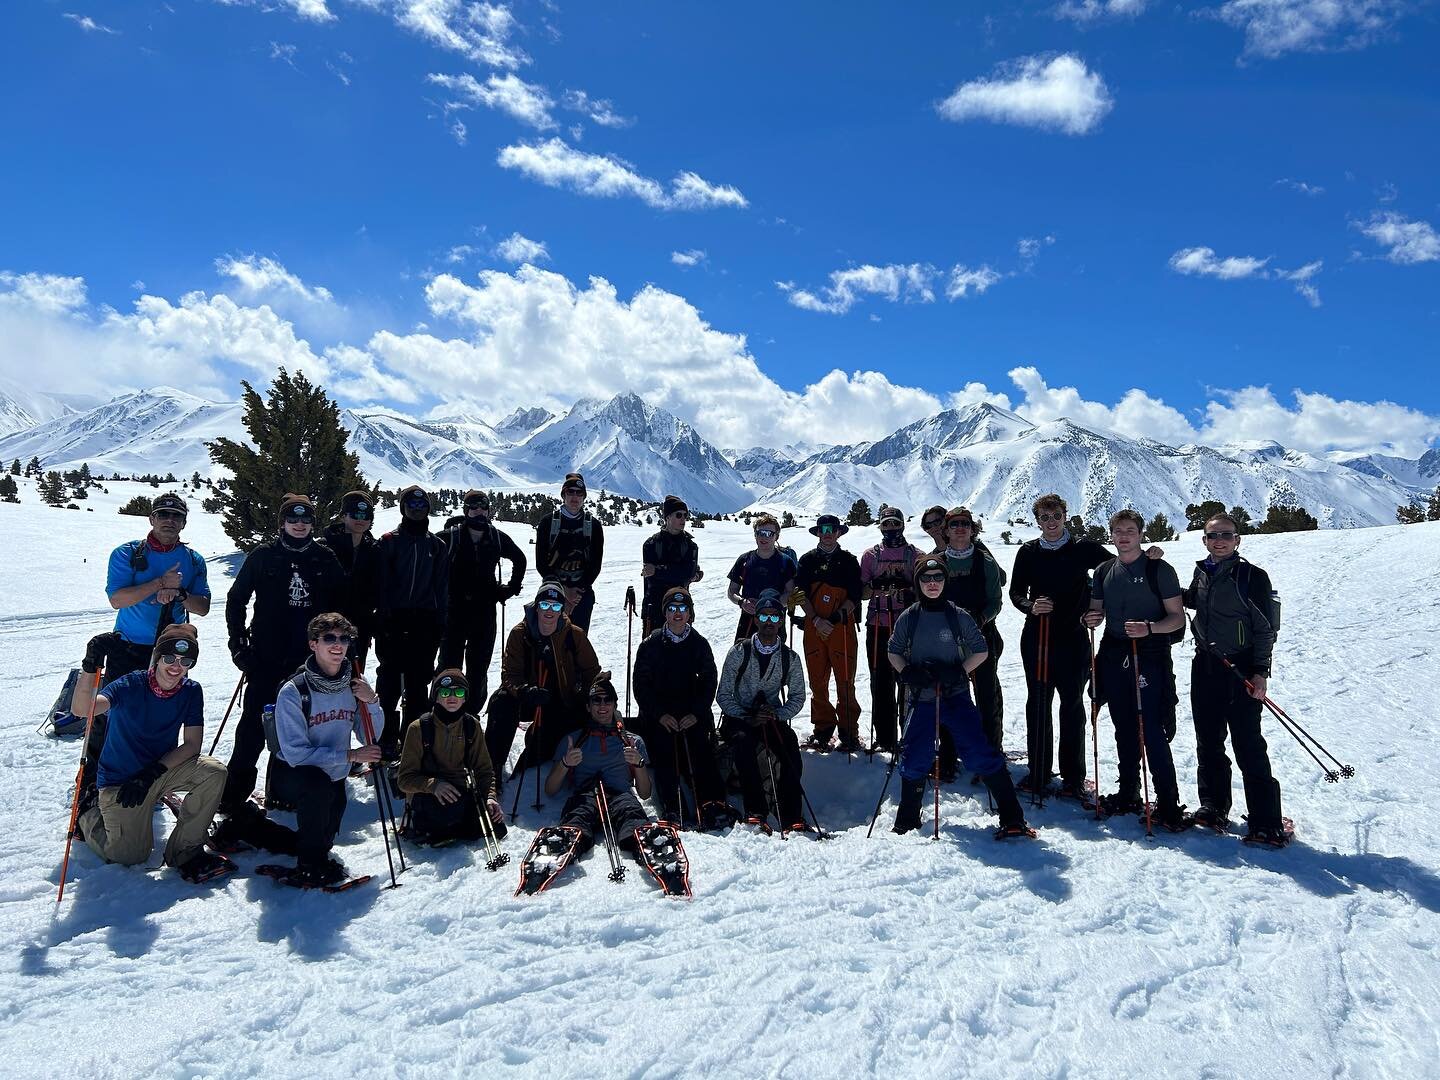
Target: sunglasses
303, 518
677, 607
335, 639
1057, 516
768, 618
932, 579
959, 523
679, 514
1221, 535
765, 534
931, 523
827, 530
184, 661
413, 503
474, 505
169, 515
602, 702
359, 515
457, 692
551, 605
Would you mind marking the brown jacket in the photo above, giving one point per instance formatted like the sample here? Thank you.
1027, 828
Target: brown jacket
448, 760
574, 666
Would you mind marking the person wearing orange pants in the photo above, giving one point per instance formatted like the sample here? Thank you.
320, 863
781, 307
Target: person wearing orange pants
829, 577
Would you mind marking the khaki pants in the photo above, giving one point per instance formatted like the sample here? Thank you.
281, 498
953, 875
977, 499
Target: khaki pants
121, 834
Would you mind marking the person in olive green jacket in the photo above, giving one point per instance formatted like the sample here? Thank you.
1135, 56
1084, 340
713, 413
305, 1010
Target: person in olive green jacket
445, 770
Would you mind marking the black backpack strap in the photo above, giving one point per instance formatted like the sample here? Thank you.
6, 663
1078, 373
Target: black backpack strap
745, 663
302, 687
953, 619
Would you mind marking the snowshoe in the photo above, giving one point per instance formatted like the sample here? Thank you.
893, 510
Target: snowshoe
1013, 830
1271, 837
816, 744
1083, 793
205, 866
660, 852
1028, 786
1207, 817
550, 852
61, 721
760, 824
879, 747
1120, 804
1173, 818
328, 876
849, 746
716, 815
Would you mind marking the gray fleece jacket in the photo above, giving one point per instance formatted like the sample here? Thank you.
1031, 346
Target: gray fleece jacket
737, 690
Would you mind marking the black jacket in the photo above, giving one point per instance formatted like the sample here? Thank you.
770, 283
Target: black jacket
1238, 622
290, 587
473, 565
362, 571
414, 570
676, 560
675, 677
1063, 575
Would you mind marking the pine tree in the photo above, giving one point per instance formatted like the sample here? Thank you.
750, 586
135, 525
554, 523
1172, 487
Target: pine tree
52, 489
299, 447
1432, 508
9, 490
787, 520
139, 506
1159, 528
859, 514
1197, 515
1243, 524
1411, 513
33, 468
15, 467
1283, 519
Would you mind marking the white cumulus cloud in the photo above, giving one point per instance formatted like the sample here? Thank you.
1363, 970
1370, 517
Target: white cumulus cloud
910, 282
687, 259
555, 163
50, 293
478, 31
261, 277
521, 249
1408, 241
1056, 93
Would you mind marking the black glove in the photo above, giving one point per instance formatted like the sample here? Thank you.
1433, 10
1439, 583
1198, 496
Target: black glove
535, 697
947, 672
134, 790
97, 652
242, 655
917, 676
510, 591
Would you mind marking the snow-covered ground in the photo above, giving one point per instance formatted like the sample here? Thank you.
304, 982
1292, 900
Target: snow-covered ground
1091, 952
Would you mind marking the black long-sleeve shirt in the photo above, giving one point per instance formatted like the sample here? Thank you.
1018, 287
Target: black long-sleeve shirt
1063, 575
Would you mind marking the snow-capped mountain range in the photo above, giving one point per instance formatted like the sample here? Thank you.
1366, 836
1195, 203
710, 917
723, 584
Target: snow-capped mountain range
981, 456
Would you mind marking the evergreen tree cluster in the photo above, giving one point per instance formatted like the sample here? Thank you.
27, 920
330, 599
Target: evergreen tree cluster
1415, 511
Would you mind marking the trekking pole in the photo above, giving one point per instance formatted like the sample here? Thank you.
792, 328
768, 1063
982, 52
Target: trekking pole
495, 858
226, 719
612, 851
872, 631
694, 795
629, 638
79, 778
820, 834
894, 757
774, 787
534, 737
1331, 775
1045, 732
382, 788
937, 761
503, 598
1140, 721
379, 781
845, 666
679, 785
1094, 722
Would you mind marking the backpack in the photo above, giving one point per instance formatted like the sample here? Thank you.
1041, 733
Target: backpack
1268, 605
587, 532
784, 665
1152, 579
267, 715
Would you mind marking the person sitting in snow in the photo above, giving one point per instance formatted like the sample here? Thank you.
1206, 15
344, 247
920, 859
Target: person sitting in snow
602, 753
316, 713
141, 761
445, 770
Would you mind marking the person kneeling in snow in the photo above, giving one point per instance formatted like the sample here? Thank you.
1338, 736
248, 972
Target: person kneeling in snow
141, 763
445, 770
935, 646
601, 753
315, 714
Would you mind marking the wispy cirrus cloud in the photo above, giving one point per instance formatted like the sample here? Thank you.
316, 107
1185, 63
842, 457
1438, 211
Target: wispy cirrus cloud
1087, 11
526, 102
1407, 242
687, 259
908, 283
1301, 186
1275, 27
89, 25
1056, 93
1203, 261
555, 163
600, 111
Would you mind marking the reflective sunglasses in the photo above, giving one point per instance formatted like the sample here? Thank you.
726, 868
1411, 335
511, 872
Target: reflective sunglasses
457, 692
768, 618
476, 504
1226, 534
330, 638
677, 607
933, 578
678, 514
169, 515
602, 700
359, 515
551, 605
765, 534
1058, 515
931, 523
184, 661
827, 530
414, 502
959, 523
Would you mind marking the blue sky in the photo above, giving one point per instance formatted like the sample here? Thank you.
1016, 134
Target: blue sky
1158, 206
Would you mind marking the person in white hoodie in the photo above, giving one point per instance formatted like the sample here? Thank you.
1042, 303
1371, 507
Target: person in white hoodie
316, 713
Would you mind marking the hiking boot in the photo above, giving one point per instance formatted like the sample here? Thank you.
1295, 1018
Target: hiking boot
882, 747
1028, 786
819, 744
1119, 804
907, 817
1275, 836
850, 745
1081, 792
1173, 818
947, 772
1210, 818
311, 874
717, 815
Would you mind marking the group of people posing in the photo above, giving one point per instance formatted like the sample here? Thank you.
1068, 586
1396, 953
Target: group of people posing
304, 613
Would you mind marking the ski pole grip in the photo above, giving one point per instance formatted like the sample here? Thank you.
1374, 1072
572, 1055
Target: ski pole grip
630, 598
